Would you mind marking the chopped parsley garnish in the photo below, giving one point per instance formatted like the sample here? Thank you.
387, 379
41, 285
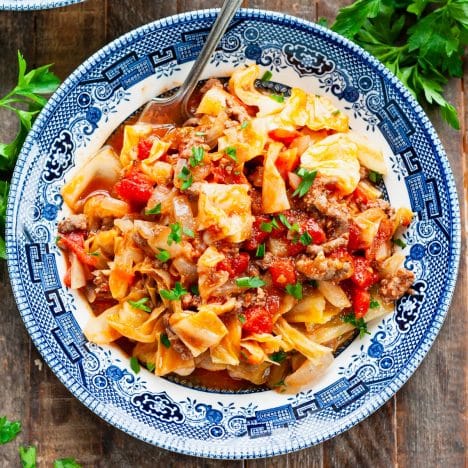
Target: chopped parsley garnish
294, 290
176, 233
399, 242
94, 254
163, 256
244, 124
231, 151
284, 221
268, 227
173, 294
260, 252
188, 232
250, 282
151, 366
305, 238
66, 463
200, 133
308, 178
164, 339
374, 304
279, 356
336, 112
197, 156
155, 210
8, 430
27, 456
134, 364
186, 177
241, 318
141, 304
267, 76
359, 324
374, 177
277, 97
194, 289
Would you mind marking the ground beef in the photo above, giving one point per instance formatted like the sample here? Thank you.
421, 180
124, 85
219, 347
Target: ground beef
178, 346
393, 288
256, 178
266, 261
378, 203
257, 204
250, 299
72, 223
324, 268
190, 301
188, 142
329, 246
320, 199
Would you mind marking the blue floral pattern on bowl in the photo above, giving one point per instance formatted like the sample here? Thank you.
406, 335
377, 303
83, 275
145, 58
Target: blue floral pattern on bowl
25, 5
114, 83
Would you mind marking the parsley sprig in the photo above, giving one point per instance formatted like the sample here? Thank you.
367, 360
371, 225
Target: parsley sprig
8, 430
141, 304
250, 282
421, 41
358, 323
26, 100
308, 178
173, 294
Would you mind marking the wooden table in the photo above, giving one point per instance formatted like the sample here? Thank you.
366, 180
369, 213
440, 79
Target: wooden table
422, 426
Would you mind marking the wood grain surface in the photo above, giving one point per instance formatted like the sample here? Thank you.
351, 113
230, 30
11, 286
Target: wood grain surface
422, 426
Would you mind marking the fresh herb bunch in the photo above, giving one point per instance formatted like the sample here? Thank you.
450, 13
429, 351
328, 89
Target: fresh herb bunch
26, 100
421, 41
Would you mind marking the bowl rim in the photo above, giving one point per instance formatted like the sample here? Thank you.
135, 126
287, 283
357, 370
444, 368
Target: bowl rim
29, 5
426, 341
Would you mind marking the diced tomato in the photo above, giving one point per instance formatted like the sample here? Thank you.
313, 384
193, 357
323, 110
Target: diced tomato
273, 301
359, 196
235, 266
287, 161
295, 248
135, 187
363, 276
282, 135
258, 236
315, 231
223, 175
74, 241
283, 272
144, 148
354, 240
67, 278
257, 320
360, 298
124, 276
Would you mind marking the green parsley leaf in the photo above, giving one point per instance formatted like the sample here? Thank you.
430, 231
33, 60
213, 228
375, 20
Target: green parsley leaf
134, 365
268, 227
163, 256
173, 294
231, 151
8, 430
374, 304
260, 252
197, 156
151, 366
279, 356
305, 238
250, 282
66, 463
164, 339
308, 178
294, 290
284, 221
94, 254
277, 97
241, 318
186, 177
323, 22
176, 233
374, 177
194, 289
421, 41
27, 456
279, 384
399, 242
141, 304
267, 76
360, 324
244, 124
200, 134
155, 210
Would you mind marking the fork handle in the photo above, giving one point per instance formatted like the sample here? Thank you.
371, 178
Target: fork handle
225, 16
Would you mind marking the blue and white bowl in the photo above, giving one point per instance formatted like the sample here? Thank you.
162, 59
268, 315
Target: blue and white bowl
25, 5
79, 118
